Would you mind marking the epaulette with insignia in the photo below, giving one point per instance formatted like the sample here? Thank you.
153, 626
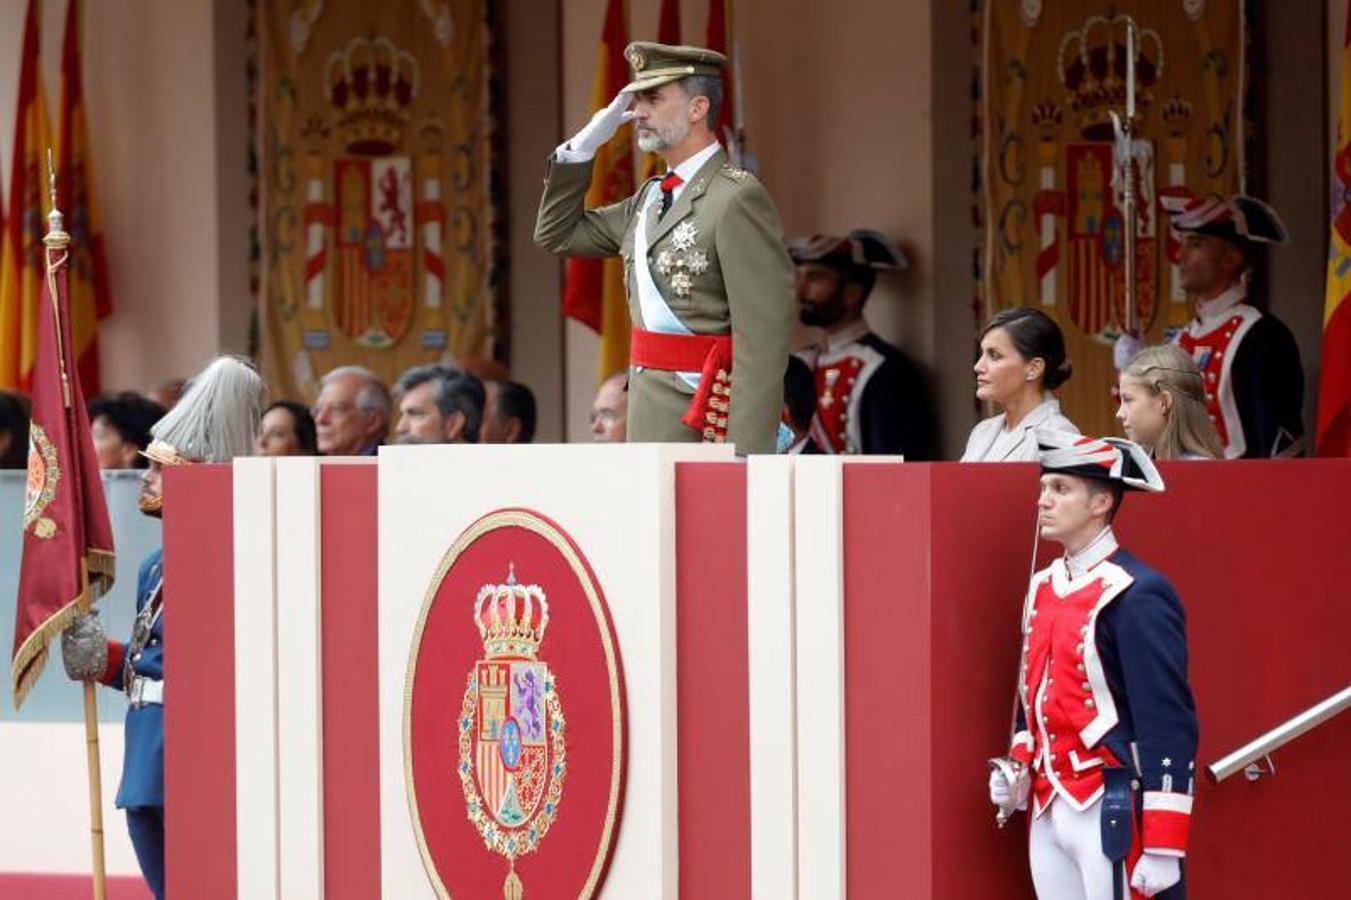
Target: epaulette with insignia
734, 173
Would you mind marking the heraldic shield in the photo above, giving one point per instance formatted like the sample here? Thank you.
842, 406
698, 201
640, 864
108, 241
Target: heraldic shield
538, 791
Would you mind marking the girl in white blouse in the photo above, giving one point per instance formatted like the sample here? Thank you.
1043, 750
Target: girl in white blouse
1022, 359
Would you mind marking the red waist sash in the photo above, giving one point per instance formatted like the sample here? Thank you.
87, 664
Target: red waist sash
708, 354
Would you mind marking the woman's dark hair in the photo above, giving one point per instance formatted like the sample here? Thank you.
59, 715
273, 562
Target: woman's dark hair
14, 422
131, 416
309, 442
1036, 336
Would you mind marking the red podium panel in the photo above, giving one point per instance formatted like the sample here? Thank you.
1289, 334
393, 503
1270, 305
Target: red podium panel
712, 680
347, 504
935, 562
199, 683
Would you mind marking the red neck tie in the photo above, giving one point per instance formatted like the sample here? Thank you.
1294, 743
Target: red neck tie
668, 186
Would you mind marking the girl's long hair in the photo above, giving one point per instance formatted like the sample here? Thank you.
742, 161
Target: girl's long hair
1188, 430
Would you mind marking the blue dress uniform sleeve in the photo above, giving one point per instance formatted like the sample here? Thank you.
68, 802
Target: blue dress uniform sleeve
895, 407
1269, 388
1151, 643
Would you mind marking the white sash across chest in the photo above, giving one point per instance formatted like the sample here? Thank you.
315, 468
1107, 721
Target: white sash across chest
657, 314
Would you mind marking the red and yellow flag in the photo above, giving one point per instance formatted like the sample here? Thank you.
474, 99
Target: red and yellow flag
1334, 389
593, 292
90, 298
21, 271
67, 538
668, 32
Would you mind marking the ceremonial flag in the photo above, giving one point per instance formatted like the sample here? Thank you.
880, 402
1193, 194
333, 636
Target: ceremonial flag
21, 271
668, 32
89, 296
67, 539
719, 36
1334, 390
593, 291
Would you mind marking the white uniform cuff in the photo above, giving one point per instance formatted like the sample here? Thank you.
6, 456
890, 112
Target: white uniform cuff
566, 154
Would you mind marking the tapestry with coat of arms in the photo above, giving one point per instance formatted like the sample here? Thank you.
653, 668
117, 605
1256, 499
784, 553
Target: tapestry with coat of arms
376, 225
1052, 223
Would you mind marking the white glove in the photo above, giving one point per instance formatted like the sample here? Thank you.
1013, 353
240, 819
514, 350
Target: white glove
597, 133
1008, 796
1125, 347
1155, 872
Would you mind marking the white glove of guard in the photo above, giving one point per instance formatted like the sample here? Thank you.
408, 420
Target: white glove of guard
1009, 796
1125, 347
597, 133
1155, 872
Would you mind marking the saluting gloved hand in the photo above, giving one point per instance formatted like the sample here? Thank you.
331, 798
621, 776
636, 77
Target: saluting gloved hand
84, 647
1155, 872
603, 125
1009, 795
1125, 347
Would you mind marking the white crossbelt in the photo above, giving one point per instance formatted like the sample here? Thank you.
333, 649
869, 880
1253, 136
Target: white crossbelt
144, 691
657, 314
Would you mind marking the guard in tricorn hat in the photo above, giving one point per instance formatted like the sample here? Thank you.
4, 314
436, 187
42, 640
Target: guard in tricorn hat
708, 279
214, 422
870, 396
1248, 358
1104, 735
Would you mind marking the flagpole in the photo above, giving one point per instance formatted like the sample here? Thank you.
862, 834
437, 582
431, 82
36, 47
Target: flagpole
57, 242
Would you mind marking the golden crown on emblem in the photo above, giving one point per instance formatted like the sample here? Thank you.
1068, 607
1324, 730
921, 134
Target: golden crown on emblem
1091, 64
372, 84
511, 617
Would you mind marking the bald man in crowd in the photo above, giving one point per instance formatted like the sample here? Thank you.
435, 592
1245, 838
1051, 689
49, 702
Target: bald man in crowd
610, 410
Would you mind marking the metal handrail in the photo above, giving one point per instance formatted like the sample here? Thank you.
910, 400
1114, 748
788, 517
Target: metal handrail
1246, 756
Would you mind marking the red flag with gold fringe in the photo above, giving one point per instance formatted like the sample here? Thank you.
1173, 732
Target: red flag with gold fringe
67, 538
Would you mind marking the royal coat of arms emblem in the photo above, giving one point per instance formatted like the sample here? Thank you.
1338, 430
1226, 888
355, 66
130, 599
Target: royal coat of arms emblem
513, 754
514, 734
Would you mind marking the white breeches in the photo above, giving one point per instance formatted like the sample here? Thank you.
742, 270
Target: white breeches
1065, 850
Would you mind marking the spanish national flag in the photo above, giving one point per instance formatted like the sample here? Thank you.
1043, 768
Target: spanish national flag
668, 32
89, 295
22, 270
593, 292
1334, 391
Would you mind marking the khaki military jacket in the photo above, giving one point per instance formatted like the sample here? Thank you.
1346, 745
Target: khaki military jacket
745, 288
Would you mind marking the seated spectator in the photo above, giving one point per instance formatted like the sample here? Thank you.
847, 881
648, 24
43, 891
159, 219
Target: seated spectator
799, 405
14, 413
1022, 359
610, 410
351, 414
287, 429
510, 414
121, 424
1163, 405
438, 405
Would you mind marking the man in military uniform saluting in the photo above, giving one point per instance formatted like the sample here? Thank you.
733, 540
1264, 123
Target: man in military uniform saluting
708, 279
214, 422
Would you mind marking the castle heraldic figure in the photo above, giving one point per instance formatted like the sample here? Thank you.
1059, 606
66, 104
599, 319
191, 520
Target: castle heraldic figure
870, 396
1248, 358
708, 279
214, 422
1104, 734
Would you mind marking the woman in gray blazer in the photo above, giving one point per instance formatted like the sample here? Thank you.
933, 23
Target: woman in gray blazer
1022, 359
